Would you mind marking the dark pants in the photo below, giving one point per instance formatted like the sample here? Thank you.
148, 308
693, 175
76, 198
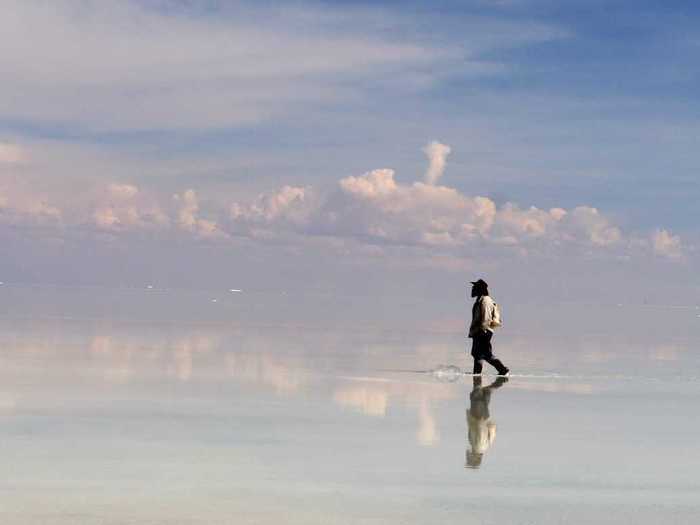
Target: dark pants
481, 351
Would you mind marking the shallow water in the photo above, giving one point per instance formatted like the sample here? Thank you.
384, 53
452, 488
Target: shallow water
108, 418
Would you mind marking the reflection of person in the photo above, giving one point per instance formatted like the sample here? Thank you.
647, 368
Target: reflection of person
481, 429
485, 317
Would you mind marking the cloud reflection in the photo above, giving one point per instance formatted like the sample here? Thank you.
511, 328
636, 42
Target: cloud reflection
373, 397
323, 366
371, 401
183, 353
427, 434
8, 403
120, 359
268, 370
115, 358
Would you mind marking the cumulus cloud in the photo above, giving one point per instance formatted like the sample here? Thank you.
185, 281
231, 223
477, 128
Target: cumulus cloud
19, 205
666, 244
289, 209
582, 224
371, 186
374, 208
288, 204
122, 207
437, 155
188, 216
106, 218
11, 153
42, 209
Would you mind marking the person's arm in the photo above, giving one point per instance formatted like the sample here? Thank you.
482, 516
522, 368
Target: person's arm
486, 313
475, 325
491, 426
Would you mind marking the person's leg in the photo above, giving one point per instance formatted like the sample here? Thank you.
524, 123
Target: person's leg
477, 353
498, 365
492, 359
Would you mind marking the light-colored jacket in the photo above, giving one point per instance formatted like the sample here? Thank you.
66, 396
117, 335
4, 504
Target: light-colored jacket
481, 434
484, 316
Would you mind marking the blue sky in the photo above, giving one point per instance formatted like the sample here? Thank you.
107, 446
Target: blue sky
184, 122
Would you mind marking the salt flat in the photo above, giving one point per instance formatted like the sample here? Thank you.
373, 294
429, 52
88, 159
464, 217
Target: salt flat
113, 417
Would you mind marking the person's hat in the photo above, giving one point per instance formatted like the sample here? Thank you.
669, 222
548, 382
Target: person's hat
480, 282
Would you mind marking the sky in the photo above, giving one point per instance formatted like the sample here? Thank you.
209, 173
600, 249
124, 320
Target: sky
370, 148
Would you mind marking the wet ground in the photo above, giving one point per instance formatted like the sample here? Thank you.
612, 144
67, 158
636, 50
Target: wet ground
111, 419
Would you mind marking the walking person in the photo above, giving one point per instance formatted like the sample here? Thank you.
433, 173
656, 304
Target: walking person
485, 318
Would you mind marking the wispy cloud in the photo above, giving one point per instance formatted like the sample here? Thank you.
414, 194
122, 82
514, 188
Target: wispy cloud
437, 155
130, 66
125, 66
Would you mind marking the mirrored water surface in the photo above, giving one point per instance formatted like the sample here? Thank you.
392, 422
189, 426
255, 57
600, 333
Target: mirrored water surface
109, 418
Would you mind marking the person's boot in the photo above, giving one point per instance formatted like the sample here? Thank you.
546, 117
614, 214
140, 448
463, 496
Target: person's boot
502, 369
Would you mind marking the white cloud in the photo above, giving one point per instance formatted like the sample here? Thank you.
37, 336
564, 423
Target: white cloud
106, 218
274, 214
666, 244
289, 204
374, 208
369, 210
589, 223
133, 65
122, 191
188, 216
12, 153
40, 209
582, 224
371, 186
122, 207
123, 65
437, 155
19, 205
